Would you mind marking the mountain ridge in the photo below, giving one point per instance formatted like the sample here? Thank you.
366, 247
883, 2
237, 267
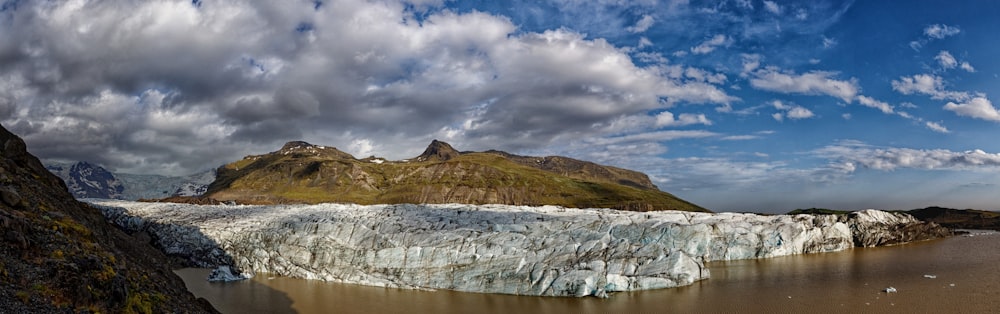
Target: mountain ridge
301, 172
88, 180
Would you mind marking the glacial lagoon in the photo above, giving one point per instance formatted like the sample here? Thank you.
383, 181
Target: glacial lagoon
956, 274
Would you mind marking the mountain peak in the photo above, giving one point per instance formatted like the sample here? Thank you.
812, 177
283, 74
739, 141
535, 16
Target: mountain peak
438, 150
296, 144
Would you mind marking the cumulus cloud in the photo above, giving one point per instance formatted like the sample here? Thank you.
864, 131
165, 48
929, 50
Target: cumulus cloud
711, 44
790, 111
666, 119
947, 61
873, 103
169, 86
809, 83
852, 155
967, 67
927, 84
978, 107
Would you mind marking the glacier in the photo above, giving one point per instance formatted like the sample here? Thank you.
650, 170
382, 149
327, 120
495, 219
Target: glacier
543, 251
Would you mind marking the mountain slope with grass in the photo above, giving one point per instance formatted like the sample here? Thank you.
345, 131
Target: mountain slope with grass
304, 173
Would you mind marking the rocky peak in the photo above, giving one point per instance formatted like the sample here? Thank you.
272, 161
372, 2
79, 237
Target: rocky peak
296, 145
439, 151
301, 148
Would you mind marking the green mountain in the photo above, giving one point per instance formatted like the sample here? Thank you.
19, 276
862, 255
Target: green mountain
304, 173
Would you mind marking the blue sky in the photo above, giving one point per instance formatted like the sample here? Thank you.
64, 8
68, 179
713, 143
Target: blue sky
737, 105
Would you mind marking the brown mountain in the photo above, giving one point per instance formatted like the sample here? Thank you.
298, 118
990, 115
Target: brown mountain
58, 255
959, 218
304, 173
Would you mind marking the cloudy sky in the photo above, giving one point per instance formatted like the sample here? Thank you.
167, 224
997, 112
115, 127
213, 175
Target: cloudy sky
741, 105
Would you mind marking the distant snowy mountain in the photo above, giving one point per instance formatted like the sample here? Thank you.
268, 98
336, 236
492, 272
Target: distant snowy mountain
86, 180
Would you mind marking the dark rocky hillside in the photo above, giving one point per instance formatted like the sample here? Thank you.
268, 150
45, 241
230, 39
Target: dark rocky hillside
959, 218
304, 173
58, 255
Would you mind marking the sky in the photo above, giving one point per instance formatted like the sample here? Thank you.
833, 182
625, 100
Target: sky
739, 105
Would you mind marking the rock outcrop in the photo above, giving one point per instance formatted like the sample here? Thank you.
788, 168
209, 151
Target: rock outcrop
548, 251
58, 255
876, 228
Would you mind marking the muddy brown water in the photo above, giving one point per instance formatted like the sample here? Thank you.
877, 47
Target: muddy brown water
954, 275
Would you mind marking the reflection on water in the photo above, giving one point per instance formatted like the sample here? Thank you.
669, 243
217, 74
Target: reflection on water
966, 269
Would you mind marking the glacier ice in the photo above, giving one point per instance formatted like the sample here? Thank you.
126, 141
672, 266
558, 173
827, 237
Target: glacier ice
547, 250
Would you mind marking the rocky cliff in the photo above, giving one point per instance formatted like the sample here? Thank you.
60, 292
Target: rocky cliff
304, 173
549, 251
58, 255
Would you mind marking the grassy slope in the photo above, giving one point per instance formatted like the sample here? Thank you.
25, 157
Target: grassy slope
470, 178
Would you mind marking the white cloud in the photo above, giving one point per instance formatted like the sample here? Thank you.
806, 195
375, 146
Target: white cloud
254, 74
799, 113
927, 84
829, 42
704, 76
810, 83
644, 42
711, 44
946, 60
655, 136
874, 103
751, 62
772, 7
978, 107
793, 112
940, 31
967, 67
740, 137
361, 148
936, 127
666, 119
846, 116
642, 25
934, 32
857, 154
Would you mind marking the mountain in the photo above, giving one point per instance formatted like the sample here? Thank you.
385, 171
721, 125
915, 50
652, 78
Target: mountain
959, 218
304, 173
86, 180
58, 255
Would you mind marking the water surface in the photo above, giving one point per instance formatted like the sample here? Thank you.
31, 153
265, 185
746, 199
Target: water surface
966, 273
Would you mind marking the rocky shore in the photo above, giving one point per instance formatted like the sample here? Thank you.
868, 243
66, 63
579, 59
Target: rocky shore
546, 251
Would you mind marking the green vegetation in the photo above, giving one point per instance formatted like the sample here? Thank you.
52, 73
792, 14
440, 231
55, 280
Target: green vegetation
328, 175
